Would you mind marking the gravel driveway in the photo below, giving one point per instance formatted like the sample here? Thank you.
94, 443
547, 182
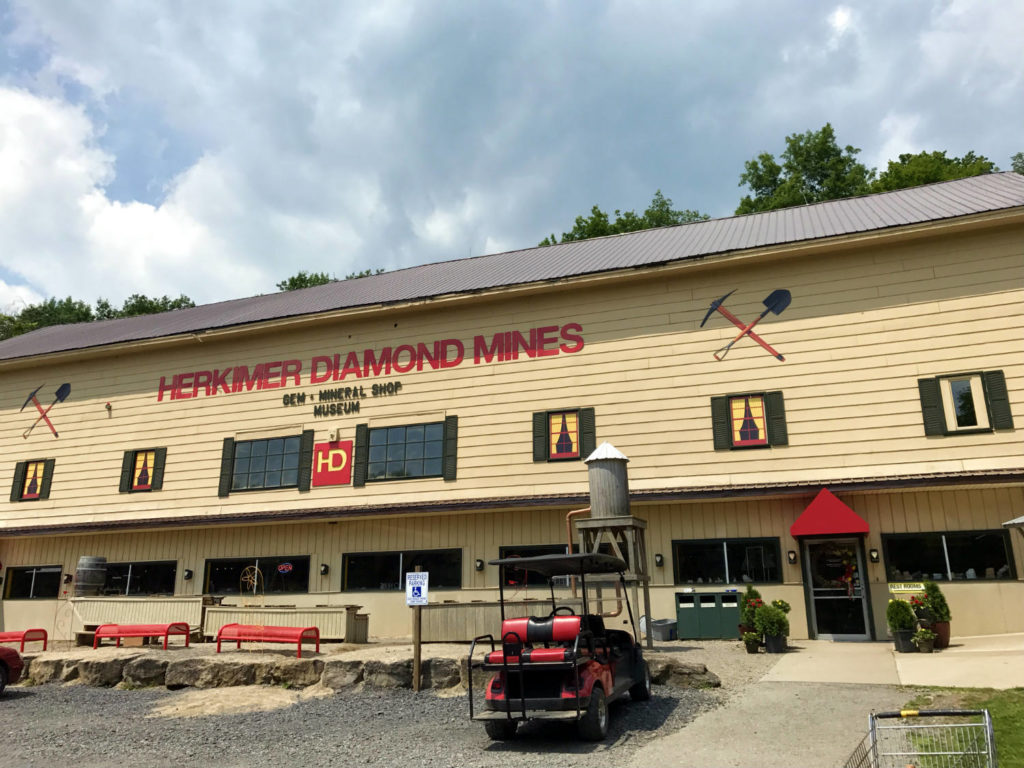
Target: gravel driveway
72, 725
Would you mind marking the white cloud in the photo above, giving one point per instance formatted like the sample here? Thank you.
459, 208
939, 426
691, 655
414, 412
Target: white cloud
896, 133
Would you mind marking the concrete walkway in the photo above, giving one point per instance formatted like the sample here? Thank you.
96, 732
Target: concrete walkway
993, 661
811, 708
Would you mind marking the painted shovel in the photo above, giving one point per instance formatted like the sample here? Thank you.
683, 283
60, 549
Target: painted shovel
776, 302
61, 394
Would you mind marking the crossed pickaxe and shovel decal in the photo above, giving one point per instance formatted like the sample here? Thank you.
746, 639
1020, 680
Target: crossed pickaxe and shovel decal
61, 395
775, 303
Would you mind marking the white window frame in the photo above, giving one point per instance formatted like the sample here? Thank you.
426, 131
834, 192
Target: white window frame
977, 393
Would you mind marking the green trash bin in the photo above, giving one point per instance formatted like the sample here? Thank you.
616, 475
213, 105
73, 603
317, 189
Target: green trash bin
707, 615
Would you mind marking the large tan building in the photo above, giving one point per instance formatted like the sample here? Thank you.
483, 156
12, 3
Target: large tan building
438, 416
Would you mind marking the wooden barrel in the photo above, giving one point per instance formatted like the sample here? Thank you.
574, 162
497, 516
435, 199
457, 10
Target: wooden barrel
90, 576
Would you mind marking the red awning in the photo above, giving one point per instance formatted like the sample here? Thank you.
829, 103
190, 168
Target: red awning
828, 516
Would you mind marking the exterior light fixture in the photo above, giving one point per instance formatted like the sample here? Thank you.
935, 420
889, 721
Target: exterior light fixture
187, 575
791, 557
478, 564
873, 555
324, 569
659, 560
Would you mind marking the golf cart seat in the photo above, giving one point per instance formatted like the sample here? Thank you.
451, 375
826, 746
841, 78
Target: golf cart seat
518, 637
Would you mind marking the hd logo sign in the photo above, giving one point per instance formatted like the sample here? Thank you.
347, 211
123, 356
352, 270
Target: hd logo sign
332, 463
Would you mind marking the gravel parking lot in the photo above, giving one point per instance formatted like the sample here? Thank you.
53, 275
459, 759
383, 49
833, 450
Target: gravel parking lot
73, 725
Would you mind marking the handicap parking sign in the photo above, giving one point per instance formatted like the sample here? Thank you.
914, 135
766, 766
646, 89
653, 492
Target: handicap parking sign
416, 588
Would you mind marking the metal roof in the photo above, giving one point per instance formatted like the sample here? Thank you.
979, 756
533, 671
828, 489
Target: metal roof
917, 205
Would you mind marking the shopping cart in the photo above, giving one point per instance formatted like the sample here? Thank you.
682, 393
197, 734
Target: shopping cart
937, 738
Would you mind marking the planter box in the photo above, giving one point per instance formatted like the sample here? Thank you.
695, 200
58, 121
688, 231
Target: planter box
775, 643
902, 640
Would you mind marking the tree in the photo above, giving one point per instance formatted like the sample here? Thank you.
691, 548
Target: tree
304, 279
814, 168
139, 304
364, 273
658, 214
1017, 163
929, 167
56, 311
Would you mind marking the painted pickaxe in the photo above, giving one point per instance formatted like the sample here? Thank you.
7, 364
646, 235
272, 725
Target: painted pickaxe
61, 395
775, 303
717, 305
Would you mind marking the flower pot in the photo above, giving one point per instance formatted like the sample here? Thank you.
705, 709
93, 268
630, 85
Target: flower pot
745, 628
941, 628
775, 643
753, 647
925, 646
925, 617
902, 640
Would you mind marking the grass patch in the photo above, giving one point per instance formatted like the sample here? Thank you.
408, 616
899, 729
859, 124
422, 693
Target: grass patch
1005, 707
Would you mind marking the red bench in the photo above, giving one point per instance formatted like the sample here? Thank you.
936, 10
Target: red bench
256, 633
24, 636
119, 631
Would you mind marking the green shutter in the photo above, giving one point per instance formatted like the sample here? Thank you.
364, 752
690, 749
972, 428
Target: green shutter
227, 460
451, 446
931, 407
156, 482
361, 455
540, 436
720, 429
998, 400
44, 487
588, 432
775, 416
306, 460
19, 480
126, 472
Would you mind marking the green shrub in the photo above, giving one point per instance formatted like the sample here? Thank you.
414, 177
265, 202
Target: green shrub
923, 635
899, 615
782, 605
770, 620
936, 601
748, 605
751, 637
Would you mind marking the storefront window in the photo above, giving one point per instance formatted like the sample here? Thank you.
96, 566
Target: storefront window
386, 570
263, 575
401, 452
726, 561
34, 583
949, 556
140, 578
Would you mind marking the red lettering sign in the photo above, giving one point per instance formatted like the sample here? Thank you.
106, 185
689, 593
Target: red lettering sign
332, 463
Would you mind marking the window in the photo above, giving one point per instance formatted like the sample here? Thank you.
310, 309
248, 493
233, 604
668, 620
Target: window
964, 403
726, 561
140, 578
32, 480
33, 583
949, 556
267, 464
405, 452
386, 570
752, 420
515, 578
563, 435
259, 575
143, 470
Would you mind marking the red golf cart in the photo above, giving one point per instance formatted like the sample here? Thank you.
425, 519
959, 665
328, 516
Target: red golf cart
563, 665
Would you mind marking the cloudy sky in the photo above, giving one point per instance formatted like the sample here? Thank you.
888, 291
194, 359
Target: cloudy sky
215, 148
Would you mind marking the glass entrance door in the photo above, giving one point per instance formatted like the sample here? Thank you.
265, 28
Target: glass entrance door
832, 569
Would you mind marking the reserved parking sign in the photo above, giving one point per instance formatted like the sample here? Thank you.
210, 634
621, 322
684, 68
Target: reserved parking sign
416, 588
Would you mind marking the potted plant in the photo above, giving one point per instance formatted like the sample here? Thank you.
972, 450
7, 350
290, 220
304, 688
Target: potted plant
752, 641
902, 622
940, 613
782, 605
773, 624
749, 603
924, 639
922, 610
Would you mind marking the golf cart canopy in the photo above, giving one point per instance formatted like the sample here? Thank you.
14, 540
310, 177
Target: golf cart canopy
565, 565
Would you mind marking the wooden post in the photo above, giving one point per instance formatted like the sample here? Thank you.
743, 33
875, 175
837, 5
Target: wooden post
417, 636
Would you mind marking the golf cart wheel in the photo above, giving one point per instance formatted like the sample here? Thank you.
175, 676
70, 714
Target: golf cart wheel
3, 678
501, 730
641, 690
593, 726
